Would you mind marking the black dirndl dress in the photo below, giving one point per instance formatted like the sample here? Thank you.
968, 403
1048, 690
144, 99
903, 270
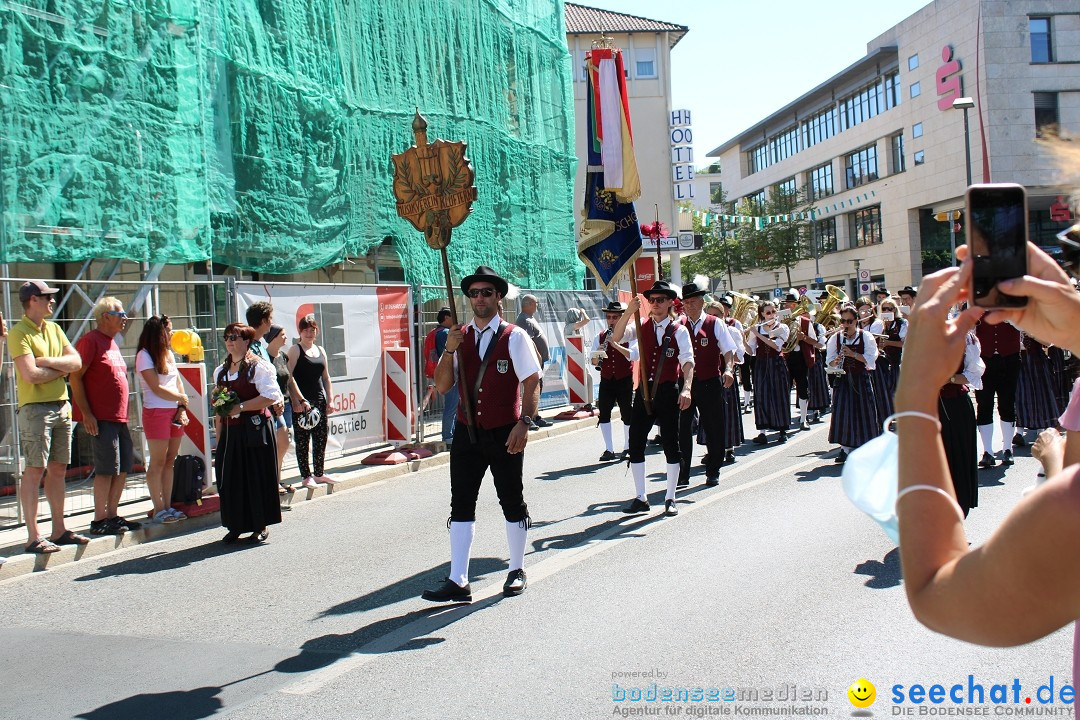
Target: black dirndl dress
245, 465
1062, 386
772, 390
959, 437
855, 414
818, 385
733, 426
1036, 401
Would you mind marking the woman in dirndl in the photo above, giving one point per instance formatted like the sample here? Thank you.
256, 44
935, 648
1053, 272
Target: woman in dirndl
818, 381
881, 377
958, 431
732, 406
855, 415
1061, 381
1036, 402
891, 323
245, 461
772, 383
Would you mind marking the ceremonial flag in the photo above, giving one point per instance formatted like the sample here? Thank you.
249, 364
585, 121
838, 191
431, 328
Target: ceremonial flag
610, 240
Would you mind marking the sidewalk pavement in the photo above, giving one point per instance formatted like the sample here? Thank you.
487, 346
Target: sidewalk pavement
349, 471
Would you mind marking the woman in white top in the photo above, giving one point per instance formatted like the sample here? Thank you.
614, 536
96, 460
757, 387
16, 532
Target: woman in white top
163, 402
772, 383
854, 417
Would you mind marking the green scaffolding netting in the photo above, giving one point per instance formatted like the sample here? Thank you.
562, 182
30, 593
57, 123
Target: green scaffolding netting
258, 133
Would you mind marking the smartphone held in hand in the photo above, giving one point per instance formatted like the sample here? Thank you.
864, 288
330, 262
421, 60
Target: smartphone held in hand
997, 235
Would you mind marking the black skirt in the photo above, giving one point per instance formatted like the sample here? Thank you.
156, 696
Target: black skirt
772, 393
733, 427
958, 435
818, 385
854, 415
1036, 401
882, 379
245, 467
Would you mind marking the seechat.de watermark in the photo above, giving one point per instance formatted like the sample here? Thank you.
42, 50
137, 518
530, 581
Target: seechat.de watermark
972, 698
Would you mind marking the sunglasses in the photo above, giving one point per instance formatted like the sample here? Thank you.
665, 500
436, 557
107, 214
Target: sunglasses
658, 299
1069, 240
233, 337
847, 321
768, 313
118, 313
477, 292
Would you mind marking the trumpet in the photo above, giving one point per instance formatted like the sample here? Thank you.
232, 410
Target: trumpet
804, 307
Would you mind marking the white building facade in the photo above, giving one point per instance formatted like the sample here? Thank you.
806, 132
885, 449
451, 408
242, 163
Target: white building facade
880, 149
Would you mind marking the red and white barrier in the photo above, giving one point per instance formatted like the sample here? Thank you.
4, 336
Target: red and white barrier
397, 394
196, 437
576, 371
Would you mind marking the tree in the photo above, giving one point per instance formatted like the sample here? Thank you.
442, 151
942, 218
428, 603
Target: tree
784, 238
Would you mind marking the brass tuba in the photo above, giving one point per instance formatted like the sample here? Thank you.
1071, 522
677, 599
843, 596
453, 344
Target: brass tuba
744, 309
836, 297
805, 306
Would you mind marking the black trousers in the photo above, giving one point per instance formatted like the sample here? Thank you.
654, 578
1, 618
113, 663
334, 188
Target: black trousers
799, 372
468, 463
665, 413
616, 391
1002, 372
746, 373
707, 396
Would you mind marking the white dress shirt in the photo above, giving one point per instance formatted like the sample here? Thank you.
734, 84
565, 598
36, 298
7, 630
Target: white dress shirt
869, 353
523, 352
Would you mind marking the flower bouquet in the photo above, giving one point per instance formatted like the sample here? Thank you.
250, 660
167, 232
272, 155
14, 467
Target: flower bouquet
223, 400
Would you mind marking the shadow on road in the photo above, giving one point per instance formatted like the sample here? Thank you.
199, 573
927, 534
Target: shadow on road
992, 477
157, 562
412, 586
883, 574
174, 705
831, 470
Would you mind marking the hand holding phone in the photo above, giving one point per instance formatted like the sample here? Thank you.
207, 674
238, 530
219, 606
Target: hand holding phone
997, 236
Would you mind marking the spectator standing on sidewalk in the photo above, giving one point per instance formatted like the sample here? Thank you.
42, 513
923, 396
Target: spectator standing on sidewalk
274, 340
100, 391
43, 358
451, 398
526, 320
311, 371
163, 398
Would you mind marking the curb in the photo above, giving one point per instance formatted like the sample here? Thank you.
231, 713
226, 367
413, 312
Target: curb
358, 475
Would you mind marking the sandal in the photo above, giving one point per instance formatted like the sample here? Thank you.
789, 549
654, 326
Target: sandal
231, 537
42, 546
259, 537
70, 538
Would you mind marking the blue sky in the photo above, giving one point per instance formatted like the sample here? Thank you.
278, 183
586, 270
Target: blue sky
781, 49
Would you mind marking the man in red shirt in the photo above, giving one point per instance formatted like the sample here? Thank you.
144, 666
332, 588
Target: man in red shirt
100, 391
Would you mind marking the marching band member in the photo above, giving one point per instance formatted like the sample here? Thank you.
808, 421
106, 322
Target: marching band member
664, 348
958, 425
714, 373
854, 417
893, 324
616, 383
1001, 353
1036, 402
802, 358
818, 381
733, 425
881, 376
772, 384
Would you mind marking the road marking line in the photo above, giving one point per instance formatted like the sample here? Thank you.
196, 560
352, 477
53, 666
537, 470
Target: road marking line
545, 568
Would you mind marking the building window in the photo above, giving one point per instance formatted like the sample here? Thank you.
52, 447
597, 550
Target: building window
786, 195
916, 130
645, 63
1042, 50
757, 158
913, 62
897, 146
918, 157
716, 193
862, 166
783, 145
825, 236
580, 74
821, 126
916, 89
821, 184
892, 89
754, 204
1046, 114
865, 226
869, 101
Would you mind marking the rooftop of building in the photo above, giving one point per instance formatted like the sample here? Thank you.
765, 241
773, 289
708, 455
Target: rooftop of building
812, 98
582, 20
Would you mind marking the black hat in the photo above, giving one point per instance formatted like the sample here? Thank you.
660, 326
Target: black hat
443, 314
692, 289
272, 333
880, 291
34, 288
908, 290
661, 286
485, 274
791, 297
725, 300
615, 307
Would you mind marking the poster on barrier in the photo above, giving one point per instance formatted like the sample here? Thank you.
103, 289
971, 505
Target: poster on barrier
356, 323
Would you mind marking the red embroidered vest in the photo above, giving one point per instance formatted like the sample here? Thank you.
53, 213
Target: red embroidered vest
497, 401
616, 366
708, 360
650, 352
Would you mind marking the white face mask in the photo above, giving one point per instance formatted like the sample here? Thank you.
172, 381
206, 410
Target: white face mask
905, 310
871, 475
887, 316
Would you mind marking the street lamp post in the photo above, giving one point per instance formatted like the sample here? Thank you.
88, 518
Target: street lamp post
965, 104
855, 288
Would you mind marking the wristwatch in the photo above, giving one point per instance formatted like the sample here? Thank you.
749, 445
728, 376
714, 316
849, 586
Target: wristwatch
527, 419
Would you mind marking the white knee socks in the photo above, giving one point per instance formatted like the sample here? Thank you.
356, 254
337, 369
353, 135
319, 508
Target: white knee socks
605, 430
516, 535
626, 438
672, 480
638, 469
461, 538
1008, 429
803, 404
986, 432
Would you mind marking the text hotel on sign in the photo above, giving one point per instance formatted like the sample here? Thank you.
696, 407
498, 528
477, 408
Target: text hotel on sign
682, 155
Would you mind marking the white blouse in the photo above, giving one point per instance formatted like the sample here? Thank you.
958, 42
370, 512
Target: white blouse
264, 379
779, 335
974, 367
870, 351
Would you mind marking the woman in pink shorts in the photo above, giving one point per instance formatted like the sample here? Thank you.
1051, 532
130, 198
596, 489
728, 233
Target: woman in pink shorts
163, 398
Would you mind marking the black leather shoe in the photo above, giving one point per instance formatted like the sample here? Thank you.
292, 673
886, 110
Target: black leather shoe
655, 440
841, 458
636, 506
449, 591
683, 482
712, 480
760, 439
730, 457
670, 509
783, 436
804, 426
534, 426
608, 456
542, 422
515, 583
1019, 440
987, 461
1006, 458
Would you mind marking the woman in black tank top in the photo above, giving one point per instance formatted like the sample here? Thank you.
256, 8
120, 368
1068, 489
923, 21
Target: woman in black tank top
307, 363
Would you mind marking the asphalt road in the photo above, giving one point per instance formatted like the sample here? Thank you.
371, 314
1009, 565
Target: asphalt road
771, 580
